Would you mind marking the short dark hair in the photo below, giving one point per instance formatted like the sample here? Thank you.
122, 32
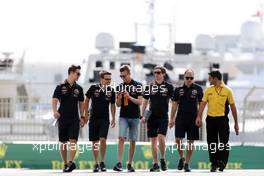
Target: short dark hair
103, 73
73, 68
125, 68
216, 74
163, 69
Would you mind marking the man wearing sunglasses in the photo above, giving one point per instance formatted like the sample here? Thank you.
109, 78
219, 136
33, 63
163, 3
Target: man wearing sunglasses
102, 95
70, 97
158, 95
129, 98
186, 99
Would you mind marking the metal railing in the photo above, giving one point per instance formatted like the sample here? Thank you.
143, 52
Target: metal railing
32, 119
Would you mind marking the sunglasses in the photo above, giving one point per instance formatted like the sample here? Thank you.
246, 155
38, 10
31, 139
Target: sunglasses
157, 72
123, 76
188, 78
78, 73
107, 79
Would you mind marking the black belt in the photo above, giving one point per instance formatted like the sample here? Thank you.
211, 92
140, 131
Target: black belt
216, 116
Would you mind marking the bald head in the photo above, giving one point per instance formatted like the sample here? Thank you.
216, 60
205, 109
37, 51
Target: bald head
188, 77
189, 72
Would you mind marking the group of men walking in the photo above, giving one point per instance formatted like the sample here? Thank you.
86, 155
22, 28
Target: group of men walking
133, 99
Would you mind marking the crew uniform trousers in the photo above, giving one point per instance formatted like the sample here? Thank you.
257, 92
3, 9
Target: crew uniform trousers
218, 132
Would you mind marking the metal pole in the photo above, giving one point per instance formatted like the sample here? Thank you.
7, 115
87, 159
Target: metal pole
244, 113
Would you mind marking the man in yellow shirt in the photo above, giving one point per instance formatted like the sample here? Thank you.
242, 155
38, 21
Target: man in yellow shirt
217, 125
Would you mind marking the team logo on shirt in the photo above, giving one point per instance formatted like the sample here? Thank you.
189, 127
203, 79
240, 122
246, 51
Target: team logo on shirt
64, 90
132, 91
76, 92
96, 93
181, 92
194, 93
165, 92
153, 93
108, 96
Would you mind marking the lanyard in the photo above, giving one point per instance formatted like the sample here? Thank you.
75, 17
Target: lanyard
218, 92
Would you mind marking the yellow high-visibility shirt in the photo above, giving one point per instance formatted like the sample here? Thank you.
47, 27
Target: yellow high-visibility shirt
216, 99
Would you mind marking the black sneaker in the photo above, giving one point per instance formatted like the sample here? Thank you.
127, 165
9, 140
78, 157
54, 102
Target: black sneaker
187, 168
213, 168
71, 167
65, 167
155, 168
221, 166
102, 167
163, 165
118, 167
180, 164
130, 168
96, 168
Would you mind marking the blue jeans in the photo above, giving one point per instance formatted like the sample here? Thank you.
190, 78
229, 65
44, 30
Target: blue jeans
128, 124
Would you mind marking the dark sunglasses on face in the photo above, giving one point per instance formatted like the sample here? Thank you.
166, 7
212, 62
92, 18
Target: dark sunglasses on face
78, 73
107, 79
157, 72
122, 76
188, 78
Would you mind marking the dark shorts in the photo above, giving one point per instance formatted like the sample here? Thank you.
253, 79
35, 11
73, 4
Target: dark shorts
186, 126
157, 126
68, 129
98, 128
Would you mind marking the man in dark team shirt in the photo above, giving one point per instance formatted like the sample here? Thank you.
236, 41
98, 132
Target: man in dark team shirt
186, 99
70, 97
129, 98
101, 95
158, 94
